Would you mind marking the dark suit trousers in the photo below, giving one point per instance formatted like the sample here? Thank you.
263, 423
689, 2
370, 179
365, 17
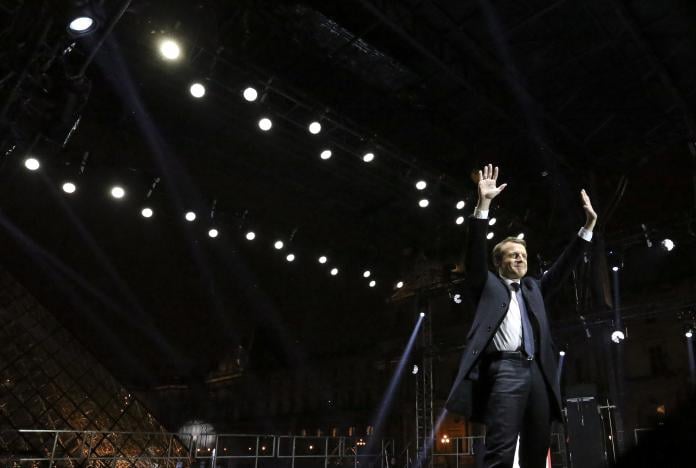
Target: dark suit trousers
517, 403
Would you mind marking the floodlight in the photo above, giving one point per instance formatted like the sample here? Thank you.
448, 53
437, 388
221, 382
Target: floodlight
265, 124
197, 90
32, 164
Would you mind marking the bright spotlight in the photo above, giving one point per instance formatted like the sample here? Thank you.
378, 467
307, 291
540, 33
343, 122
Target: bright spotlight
213, 233
314, 128
414, 371
265, 124
197, 90
457, 298
69, 187
250, 94
561, 353
399, 285
490, 235
251, 235
32, 164
667, 244
520, 236
373, 283
368, 157
81, 24
170, 49
334, 271
422, 314
424, 203
146, 212
323, 259
118, 192
617, 336
366, 274
689, 334
461, 204
290, 257
190, 216
278, 244
614, 268
492, 221
326, 154
459, 220
421, 185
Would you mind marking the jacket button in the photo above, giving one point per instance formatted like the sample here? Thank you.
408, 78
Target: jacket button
504, 305
474, 351
488, 328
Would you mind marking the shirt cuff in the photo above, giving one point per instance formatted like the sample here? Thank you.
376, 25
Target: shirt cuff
481, 214
585, 234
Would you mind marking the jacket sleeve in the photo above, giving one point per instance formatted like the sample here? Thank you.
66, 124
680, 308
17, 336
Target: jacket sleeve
475, 255
561, 268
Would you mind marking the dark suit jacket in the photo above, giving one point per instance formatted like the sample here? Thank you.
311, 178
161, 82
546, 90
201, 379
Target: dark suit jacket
492, 297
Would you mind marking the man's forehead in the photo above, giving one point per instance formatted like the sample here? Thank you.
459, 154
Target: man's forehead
509, 247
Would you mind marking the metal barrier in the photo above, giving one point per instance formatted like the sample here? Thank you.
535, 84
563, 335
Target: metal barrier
97, 449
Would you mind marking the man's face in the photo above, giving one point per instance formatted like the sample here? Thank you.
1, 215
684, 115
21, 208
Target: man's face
513, 264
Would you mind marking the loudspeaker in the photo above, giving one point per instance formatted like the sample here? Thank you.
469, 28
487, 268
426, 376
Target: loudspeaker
585, 433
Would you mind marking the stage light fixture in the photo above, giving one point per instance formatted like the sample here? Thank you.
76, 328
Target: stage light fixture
190, 216
213, 233
197, 90
323, 259
290, 257
459, 220
265, 124
421, 185
326, 154
399, 285
520, 236
618, 336
366, 273
170, 49
461, 204
614, 268
368, 157
32, 164
250, 94
278, 245
251, 235
490, 235
423, 203
689, 334
118, 192
314, 128
457, 298
334, 271
69, 187
373, 283
81, 25
146, 212
561, 353
422, 314
492, 221
414, 370
667, 244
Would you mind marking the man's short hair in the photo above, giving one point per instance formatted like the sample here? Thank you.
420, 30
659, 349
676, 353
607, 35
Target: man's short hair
498, 249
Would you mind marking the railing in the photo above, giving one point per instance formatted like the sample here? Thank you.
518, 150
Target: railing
96, 449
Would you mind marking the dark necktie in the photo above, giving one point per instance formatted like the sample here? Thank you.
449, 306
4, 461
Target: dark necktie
527, 333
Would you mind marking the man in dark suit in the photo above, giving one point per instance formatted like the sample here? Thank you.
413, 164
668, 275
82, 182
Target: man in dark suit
506, 376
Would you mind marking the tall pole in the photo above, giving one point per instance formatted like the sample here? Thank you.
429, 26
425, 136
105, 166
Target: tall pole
619, 368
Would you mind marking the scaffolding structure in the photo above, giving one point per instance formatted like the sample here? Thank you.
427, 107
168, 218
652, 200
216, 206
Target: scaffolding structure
424, 390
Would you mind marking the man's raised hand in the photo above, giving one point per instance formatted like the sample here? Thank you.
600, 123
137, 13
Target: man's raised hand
487, 186
590, 214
